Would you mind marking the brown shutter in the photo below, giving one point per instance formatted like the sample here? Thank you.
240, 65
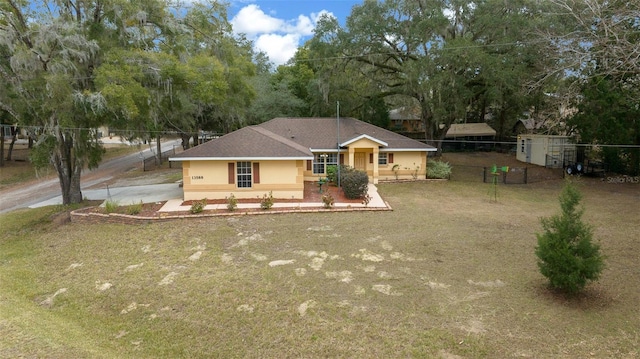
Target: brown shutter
342, 158
371, 158
390, 158
308, 165
232, 173
256, 172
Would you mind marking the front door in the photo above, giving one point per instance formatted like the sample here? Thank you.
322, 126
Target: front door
359, 159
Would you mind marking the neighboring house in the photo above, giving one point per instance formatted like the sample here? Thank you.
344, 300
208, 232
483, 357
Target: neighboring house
527, 126
406, 119
545, 150
474, 136
279, 155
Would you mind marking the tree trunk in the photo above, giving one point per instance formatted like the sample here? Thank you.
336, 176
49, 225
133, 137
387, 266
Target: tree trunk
429, 127
185, 140
159, 150
441, 137
14, 137
68, 167
70, 187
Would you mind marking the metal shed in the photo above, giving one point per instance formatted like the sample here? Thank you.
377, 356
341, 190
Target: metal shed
551, 151
475, 136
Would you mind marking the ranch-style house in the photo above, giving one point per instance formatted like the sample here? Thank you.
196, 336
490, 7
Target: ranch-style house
279, 155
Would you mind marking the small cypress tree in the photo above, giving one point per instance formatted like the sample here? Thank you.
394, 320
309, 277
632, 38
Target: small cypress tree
566, 254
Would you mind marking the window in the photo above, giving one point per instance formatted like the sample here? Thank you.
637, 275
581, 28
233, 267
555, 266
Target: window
522, 147
244, 174
319, 161
382, 158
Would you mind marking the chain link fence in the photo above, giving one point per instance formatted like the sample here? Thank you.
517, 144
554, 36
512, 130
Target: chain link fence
151, 163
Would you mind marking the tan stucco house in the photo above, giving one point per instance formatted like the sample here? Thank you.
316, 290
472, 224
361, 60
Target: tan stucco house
279, 155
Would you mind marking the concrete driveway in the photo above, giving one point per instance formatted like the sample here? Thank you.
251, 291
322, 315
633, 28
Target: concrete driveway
126, 195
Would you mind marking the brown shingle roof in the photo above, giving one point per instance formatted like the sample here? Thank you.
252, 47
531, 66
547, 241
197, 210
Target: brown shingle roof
287, 137
321, 133
250, 142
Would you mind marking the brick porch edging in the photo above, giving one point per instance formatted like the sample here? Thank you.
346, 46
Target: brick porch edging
78, 216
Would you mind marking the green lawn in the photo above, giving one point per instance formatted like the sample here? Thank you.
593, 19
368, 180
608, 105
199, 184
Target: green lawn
449, 273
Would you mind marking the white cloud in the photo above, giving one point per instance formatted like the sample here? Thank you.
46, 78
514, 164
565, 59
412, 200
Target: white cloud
278, 38
279, 48
251, 20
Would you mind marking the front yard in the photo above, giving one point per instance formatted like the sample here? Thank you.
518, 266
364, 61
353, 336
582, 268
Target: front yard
449, 273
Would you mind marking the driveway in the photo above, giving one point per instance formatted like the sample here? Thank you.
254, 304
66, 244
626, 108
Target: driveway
47, 190
126, 195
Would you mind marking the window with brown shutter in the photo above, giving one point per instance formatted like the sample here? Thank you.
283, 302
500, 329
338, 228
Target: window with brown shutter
383, 158
371, 158
309, 163
342, 158
256, 172
390, 157
232, 173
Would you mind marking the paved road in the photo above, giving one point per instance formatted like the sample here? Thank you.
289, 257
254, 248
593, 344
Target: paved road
47, 191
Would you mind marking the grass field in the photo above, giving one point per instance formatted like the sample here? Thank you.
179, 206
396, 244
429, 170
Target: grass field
448, 274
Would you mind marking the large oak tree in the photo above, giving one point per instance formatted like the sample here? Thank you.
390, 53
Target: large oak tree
71, 66
456, 61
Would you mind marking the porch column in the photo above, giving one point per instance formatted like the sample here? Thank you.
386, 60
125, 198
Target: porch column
351, 159
376, 152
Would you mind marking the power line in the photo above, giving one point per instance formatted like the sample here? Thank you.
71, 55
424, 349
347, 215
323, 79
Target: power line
533, 142
178, 132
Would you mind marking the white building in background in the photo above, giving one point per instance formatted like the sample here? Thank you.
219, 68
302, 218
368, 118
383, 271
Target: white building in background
551, 151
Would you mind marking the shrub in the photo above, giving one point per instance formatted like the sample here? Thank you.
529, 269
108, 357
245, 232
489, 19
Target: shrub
111, 206
414, 171
566, 254
198, 206
232, 203
366, 199
267, 201
134, 208
438, 169
327, 200
332, 173
355, 184
395, 170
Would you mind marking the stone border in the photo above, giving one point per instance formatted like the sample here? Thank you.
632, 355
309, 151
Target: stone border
78, 216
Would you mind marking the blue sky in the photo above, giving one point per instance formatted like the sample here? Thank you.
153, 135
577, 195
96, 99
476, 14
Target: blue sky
278, 27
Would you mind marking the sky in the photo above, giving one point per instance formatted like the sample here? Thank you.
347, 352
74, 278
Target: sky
278, 27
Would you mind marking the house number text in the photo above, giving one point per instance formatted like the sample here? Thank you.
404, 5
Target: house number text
197, 177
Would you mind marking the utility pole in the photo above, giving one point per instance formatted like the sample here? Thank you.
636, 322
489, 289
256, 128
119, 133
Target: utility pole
338, 144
